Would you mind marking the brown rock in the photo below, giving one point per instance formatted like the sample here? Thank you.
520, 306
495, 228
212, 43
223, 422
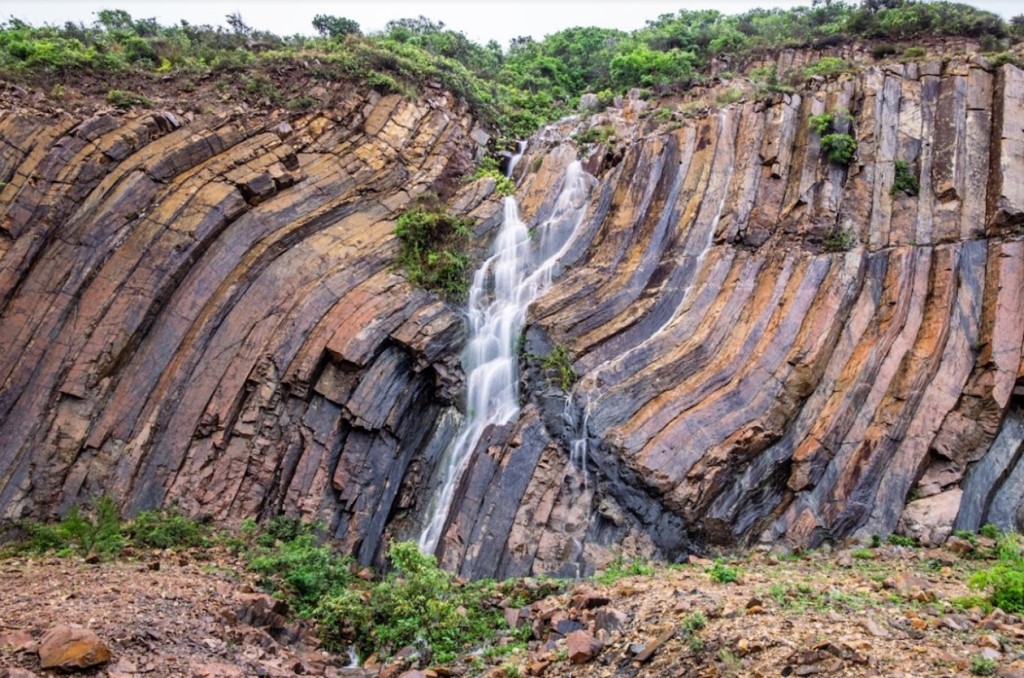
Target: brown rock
582, 646
16, 672
17, 641
215, 670
69, 648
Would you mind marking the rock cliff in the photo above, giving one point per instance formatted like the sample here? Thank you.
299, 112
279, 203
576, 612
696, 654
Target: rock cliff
769, 346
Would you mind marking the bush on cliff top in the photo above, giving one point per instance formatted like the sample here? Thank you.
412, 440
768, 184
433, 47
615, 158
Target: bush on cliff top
515, 89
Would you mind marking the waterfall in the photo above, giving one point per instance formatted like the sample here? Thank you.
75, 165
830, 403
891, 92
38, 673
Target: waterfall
518, 271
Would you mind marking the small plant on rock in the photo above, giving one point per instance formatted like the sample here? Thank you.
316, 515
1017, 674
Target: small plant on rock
905, 181
983, 666
841, 241
840, 148
432, 249
121, 99
559, 363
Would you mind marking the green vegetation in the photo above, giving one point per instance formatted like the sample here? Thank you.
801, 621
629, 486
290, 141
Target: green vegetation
900, 540
620, 568
594, 135
821, 123
488, 168
121, 99
905, 180
516, 89
1005, 579
417, 605
97, 531
721, 573
840, 241
167, 528
827, 67
990, 531
559, 363
840, 148
912, 53
432, 248
983, 666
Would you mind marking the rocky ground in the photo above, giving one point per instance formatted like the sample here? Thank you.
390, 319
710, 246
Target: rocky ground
888, 611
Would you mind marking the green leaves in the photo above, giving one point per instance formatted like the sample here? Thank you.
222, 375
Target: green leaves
432, 249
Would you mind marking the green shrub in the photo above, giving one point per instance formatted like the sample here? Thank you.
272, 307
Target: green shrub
840, 148
820, 124
1005, 579
827, 67
93, 533
722, 573
301, 570
729, 96
122, 99
990, 531
912, 53
904, 181
983, 666
594, 135
303, 103
840, 241
559, 364
167, 528
418, 605
503, 186
900, 540
883, 50
431, 251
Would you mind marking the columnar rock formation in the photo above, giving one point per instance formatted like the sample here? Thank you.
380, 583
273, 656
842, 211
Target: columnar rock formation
770, 347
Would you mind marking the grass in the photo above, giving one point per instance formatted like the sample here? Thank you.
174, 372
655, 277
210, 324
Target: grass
983, 666
432, 248
619, 568
720, 573
558, 365
1004, 580
121, 99
840, 241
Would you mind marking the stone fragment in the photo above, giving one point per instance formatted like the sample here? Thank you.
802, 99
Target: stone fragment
17, 672
17, 641
872, 628
69, 648
610, 620
582, 647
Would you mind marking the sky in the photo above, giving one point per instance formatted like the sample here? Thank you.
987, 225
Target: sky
481, 20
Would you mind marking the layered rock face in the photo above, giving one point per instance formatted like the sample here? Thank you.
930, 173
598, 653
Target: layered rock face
740, 382
769, 346
207, 314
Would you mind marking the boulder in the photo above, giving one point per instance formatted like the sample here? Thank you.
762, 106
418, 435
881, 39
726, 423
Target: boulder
930, 520
69, 648
582, 647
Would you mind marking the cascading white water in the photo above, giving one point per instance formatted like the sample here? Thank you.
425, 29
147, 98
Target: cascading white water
520, 269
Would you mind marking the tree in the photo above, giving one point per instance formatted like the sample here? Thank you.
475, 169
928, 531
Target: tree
335, 27
237, 25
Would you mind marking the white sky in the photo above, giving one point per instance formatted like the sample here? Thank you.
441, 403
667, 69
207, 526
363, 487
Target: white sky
481, 20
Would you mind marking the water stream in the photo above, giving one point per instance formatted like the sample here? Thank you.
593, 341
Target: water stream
518, 271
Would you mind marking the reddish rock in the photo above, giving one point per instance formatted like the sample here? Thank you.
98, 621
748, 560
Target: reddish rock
17, 641
69, 648
582, 647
